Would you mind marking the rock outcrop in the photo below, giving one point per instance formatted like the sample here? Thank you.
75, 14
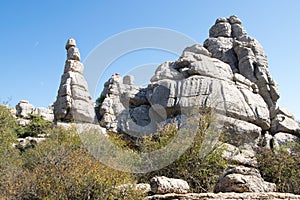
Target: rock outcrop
24, 109
73, 102
228, 73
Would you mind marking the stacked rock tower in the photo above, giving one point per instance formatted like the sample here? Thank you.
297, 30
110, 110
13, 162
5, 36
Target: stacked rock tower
228, 41
73, 102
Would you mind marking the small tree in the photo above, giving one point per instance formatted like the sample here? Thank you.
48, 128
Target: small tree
200, 170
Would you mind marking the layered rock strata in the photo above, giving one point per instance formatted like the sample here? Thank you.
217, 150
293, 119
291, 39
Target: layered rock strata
73, 102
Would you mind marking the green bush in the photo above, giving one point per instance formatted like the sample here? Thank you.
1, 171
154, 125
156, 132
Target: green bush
8, 126
9, 156
200, 170
36, 126
281, 167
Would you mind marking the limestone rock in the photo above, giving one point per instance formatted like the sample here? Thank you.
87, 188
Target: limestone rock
142, 187
129, 80
222, 49
286, 140
166, 71
234, 20
203, 67
242, 155
210, 92
115, 109
70, 43
228, 73
240, 133
90, 128
243, 179
229, 196
163, 185
45, 113
243, 82
279, 110
145, 188
24, 109
238, 30
73, 102
73, 53
64, 125
244, 54
220, 29
283, 123
194, 50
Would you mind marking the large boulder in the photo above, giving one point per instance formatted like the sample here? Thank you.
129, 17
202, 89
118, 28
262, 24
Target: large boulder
164, 185
243, 179
24, 109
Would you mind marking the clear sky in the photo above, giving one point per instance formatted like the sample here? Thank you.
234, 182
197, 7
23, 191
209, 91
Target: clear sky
33, 35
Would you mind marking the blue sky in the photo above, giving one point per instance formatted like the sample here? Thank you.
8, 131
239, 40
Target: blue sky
33, 35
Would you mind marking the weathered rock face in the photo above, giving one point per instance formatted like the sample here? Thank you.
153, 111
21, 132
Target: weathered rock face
73, 102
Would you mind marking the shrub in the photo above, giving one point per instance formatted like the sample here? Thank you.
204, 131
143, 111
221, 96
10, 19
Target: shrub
9, 156
281, 167
61, 168
8, 126
36, 126
200, 170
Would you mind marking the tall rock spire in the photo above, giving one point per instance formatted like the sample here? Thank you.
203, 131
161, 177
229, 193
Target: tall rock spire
73, 102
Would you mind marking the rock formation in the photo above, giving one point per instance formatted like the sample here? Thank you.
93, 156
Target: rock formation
73, 102
24, 109
228, 73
